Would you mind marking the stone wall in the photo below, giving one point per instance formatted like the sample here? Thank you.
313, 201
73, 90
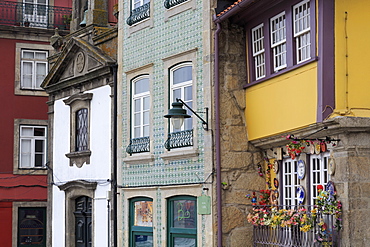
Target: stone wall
238, 158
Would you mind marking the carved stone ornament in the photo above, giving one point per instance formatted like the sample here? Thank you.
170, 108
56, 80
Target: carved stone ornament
80, 62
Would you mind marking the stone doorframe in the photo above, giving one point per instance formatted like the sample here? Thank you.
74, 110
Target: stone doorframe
73, 190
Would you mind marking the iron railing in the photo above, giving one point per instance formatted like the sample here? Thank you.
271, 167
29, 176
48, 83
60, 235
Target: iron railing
34, 15
179, 139
139, 145
170, 3
139, 14
293, 236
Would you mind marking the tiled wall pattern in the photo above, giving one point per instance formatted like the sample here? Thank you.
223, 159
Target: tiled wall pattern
180, 33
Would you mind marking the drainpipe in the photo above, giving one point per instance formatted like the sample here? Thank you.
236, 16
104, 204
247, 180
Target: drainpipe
114, 168
217, 138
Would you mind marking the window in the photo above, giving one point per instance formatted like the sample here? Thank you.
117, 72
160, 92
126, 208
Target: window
32, 226
140, 10
140, 115
181, 84
301, 15
319, 172
182, 88
281, 41
258, 51
32, 146
182, 221
80, 128
140, 107
34, 68
278, 41
141, 222
290, 182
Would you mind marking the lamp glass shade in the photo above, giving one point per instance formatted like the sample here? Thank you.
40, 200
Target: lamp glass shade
177, 122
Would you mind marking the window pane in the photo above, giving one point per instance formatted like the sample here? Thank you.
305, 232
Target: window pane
40, 73
184, 214
40, 55
146, 103
137, 105
25, 159
137, 132
27, 54
176, 94
39, 146
27, 69
182, 74
188, 93
141, 86
39, 160
137, 119
81, 129
146, 117
39, 132
25, 131
143, 213
143, 241
184, 242
31, 226
146, 131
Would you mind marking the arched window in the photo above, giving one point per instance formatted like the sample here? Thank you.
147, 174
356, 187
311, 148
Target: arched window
141, 221
182, 221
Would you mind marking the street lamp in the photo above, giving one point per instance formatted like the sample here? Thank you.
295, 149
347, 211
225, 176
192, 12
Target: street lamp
177, 114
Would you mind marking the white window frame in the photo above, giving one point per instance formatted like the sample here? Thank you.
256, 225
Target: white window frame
258, 50
301, 27
290, 182
138, 3
278, 41
32, 152
319, 173
141, 97
182, 86
34, 63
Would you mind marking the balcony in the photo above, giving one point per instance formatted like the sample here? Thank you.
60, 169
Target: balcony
138, 145
34, 15
302, 226
179, 139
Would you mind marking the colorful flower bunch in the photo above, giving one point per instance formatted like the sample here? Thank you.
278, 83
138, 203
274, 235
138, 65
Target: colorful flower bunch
274, 217
264, 197
295, 148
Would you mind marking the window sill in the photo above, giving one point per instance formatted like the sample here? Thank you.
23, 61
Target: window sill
33, 170
139, 159
289, 69
180, 154
140, 25
30, 92
189, 4
79, 158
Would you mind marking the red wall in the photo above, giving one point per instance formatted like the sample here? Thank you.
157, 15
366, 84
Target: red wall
12, 106
6, 224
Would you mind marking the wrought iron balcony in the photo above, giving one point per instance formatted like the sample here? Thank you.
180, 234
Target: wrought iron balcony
170, 3
139, 145
179, 139
139, 14
34, 15
322, 231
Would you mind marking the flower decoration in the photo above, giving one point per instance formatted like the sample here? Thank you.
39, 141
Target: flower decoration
295, 148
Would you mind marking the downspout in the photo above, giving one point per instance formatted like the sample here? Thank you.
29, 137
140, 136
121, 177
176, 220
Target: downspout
114, 168
217, 138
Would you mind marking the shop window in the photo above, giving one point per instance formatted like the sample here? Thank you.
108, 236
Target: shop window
32, 227
141, 222
182, 221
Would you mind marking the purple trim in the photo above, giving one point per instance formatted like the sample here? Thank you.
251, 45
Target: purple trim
264, 18
280, 72
325, 75
217, 139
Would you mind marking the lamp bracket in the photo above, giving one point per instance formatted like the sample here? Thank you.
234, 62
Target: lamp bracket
204, 122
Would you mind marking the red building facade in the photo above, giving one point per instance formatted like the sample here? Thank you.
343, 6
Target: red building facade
25, 31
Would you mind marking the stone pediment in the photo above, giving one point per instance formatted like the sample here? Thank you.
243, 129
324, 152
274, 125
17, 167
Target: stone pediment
79, 61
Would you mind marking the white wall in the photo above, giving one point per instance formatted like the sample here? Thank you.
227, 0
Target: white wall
99, 169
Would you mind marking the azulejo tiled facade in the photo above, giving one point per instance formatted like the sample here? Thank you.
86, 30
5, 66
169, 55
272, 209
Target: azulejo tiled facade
152, 47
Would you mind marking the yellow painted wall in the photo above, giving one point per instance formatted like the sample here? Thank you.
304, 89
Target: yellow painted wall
283, 103
352, 57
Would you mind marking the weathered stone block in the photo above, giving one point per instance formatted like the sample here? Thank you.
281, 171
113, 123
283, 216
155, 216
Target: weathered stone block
232, 217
